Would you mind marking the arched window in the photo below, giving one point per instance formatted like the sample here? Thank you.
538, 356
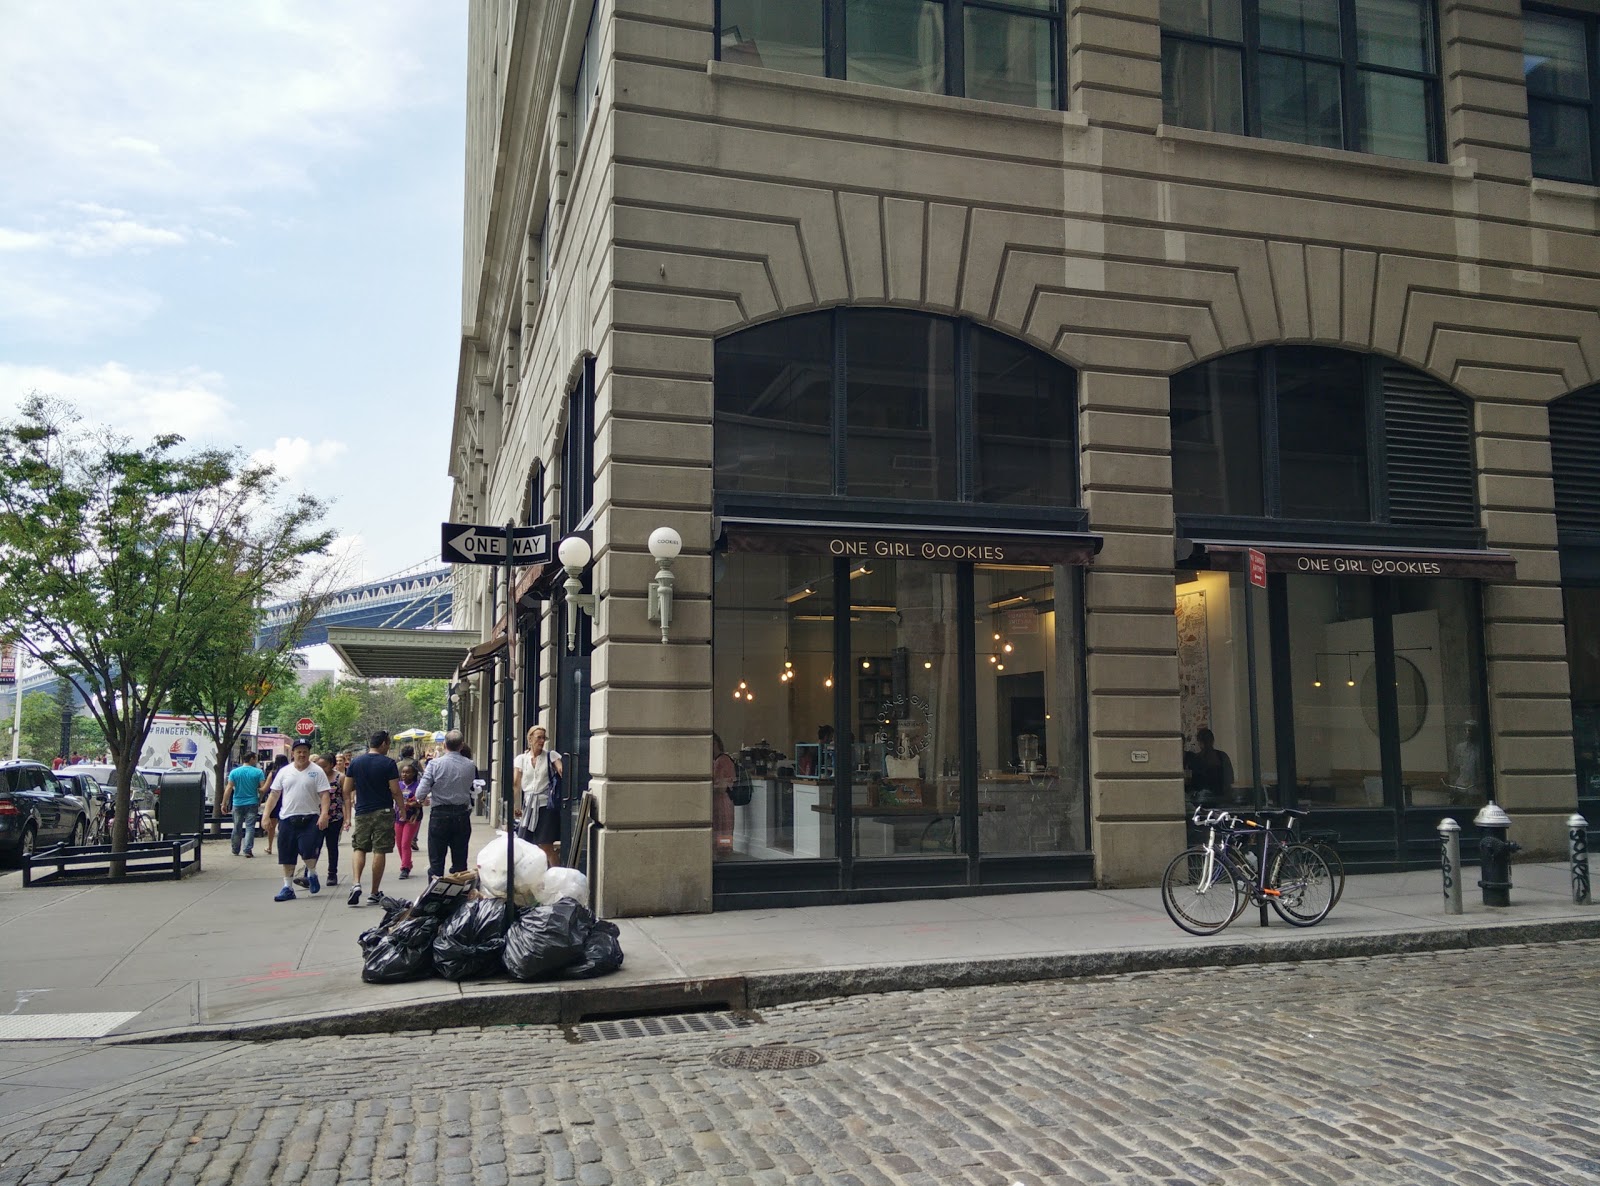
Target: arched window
1311, 433
886, 406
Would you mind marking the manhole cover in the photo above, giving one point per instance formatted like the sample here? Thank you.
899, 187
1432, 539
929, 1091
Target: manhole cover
655, 1027
766, 1058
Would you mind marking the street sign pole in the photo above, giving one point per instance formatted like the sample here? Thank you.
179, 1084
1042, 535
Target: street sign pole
507, 668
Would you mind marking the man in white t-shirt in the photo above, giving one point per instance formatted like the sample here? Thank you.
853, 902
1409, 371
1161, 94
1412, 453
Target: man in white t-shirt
306, 798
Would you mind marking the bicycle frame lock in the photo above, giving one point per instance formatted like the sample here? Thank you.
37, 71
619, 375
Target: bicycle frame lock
1450, 863
1494, 854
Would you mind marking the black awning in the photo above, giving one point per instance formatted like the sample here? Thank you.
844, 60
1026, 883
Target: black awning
872, 541
1351, 559
482, 656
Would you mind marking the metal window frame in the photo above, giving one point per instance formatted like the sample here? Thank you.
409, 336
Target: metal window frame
1590, 22
1351, 105
834, 36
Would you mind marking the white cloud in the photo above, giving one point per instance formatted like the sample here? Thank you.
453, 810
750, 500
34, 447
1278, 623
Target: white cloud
138, 403
296, 458
195, 100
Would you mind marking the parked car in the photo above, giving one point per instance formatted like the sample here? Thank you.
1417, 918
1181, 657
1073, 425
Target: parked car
36, 811
143, 790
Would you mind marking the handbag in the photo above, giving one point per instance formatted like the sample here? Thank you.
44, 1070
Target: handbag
741, 790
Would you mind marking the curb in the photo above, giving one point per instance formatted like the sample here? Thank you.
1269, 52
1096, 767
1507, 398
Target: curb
570, 1004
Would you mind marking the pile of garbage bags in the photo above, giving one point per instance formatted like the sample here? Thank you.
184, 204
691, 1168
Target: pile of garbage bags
457, 928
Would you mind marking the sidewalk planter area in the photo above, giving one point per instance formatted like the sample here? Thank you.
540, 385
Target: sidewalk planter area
90, 864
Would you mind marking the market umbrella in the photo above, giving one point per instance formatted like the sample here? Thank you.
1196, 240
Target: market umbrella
414, 735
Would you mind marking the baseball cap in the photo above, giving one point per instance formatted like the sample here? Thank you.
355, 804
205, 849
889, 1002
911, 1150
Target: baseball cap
301, 743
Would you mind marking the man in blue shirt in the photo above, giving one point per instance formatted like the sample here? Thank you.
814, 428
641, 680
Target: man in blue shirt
372, 788
243, 798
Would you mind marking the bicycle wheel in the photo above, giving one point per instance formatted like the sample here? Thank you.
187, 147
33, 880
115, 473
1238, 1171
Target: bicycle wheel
1200, 893
142, 827
1330, 856
1304, 885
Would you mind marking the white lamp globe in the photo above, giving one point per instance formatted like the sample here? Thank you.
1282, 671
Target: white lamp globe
665, 543
574, 552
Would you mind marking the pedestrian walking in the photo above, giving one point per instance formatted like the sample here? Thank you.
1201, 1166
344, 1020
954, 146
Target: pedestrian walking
278, 764
242, 797
447, 785
408, 753
372, 784
407, 819
538, 799
336, 816
301, 794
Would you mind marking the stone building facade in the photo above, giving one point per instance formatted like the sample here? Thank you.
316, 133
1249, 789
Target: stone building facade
1342, 244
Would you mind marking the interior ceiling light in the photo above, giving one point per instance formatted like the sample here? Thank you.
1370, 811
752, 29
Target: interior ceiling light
1007, 602
800, 594
861, 570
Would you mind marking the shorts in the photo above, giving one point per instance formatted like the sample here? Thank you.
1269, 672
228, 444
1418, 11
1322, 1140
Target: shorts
298, 836
373, 831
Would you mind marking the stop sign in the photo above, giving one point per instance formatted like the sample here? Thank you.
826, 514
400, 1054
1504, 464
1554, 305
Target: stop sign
305, 726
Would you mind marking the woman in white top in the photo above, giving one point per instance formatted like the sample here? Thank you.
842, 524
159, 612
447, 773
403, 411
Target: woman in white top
541, 821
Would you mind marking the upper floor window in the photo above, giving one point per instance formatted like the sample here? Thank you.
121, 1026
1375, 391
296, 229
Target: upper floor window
1006, 51
1558, 62
1351, 74
577, 451
586, 87
879, 404
1312, 433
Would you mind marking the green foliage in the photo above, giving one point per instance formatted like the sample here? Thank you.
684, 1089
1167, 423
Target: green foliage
395, 705
41, 730
118, 563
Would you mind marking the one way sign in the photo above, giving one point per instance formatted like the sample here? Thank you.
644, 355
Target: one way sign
478, 543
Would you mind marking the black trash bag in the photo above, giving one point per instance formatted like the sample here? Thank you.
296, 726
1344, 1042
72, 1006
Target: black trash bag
404, 952
602, 953
392, 908
469, 943
547, 939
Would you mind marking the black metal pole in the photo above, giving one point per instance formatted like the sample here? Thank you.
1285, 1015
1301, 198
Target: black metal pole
505, 735
1255, 709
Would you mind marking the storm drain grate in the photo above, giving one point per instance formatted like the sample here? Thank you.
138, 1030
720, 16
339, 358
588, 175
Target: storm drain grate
655, 1027
766, 1058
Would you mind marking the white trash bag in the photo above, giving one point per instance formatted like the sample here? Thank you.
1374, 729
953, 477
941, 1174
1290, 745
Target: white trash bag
562, 882
530, 869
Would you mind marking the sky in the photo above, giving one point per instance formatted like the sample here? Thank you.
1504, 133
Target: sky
240, 220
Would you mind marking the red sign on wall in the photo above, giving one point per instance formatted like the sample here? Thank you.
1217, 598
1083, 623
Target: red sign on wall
1258, 568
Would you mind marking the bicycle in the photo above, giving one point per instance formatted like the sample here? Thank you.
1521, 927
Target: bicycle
1323, 842
1207, 886
140, 825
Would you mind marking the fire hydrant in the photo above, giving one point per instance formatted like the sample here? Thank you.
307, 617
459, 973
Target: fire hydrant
1494, 854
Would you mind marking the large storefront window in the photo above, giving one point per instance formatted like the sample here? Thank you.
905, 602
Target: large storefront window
913, 726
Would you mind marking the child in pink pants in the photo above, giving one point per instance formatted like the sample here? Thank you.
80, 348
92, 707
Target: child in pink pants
407, 819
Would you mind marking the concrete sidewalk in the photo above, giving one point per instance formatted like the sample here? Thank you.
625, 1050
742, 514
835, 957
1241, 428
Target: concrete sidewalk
214, 957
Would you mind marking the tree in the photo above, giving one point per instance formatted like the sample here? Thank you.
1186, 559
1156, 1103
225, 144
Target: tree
41, 730
117, 562
231, 675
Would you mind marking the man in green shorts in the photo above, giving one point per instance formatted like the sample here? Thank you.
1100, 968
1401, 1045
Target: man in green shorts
372, 787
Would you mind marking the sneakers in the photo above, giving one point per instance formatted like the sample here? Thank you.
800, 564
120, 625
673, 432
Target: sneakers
405, 874
249, 856
236, 852
355, 897
312, 883
375, 899
300, 880
332, 881
285, 895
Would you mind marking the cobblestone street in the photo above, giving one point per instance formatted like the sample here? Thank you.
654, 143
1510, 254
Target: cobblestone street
1471, 1067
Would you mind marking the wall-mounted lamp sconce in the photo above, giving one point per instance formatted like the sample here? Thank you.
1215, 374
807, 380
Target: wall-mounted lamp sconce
575, 553
665, 544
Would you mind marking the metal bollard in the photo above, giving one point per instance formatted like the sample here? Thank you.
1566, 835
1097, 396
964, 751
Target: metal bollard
1450, 863
1578, 849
